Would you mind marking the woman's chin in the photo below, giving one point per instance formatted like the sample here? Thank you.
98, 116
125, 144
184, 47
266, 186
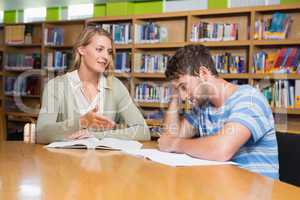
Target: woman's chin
99, 70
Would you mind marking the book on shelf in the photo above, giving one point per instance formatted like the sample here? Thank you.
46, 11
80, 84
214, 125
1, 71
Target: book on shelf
1, 60
29, 133
150, 32
275, 27
121, 32
281, 93
10, 106
22, 87
15, 130
14, 34
284, 60
150, 63
154, 115
207, 32
122, 62
58, 60
228, 63
238, 81
297, 93
147, 92
54, 36
154, 120
20, 61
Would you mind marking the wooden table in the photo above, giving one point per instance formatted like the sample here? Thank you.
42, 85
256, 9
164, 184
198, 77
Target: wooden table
33, 172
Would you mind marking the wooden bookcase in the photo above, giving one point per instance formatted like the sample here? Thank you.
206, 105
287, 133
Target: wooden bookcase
1, 83
179, 28
11, 114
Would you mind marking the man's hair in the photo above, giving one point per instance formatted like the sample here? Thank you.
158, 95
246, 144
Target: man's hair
188, 60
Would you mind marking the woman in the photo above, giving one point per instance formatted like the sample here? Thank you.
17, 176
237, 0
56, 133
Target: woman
87, 98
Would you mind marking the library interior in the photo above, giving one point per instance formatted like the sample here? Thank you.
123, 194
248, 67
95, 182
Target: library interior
254, 46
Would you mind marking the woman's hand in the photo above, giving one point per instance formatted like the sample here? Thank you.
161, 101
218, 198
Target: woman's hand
81, 134
96, 121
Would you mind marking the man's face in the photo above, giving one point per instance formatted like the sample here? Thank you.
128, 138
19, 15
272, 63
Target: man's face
192, 88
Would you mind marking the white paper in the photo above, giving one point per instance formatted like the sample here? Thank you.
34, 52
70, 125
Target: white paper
173, 159
93, 143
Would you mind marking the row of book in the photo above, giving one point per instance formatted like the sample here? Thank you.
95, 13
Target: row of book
22, 86
150, 63
283, 93
15, 130
284, 60
20, 61
204, 31
58, 60
54, 36
150, 32
121, 33
228, 63
275, 27
19, 34
122, 62
152, 93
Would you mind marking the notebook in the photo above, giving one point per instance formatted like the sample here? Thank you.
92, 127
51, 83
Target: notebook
173, 159
94, 143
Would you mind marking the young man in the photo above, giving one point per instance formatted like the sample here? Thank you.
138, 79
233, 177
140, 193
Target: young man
227, 121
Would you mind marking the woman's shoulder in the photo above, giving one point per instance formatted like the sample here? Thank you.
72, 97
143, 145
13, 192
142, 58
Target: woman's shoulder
115, 83
58, 80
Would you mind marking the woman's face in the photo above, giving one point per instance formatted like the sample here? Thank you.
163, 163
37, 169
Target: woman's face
97, 55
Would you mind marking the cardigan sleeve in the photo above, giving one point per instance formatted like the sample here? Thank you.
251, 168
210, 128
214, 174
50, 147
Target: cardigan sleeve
137, 128
49, 128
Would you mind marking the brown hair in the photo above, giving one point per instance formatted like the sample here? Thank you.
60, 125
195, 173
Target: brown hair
84, 39
188, 60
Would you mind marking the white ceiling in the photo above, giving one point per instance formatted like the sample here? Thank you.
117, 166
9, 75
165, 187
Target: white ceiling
21, 4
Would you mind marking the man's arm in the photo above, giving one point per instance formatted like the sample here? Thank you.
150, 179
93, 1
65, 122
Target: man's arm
173, 124
220, 147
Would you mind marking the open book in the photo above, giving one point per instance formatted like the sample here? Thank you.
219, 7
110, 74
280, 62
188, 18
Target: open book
94, 143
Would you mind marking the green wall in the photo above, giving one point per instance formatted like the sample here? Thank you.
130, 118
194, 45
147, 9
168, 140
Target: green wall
53, 14
289, 1
119, 9
148, 7
10, 16
99, 10
212, 4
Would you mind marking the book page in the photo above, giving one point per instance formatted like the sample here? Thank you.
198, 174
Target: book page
173, 159
119, 144
89, 143
94, 143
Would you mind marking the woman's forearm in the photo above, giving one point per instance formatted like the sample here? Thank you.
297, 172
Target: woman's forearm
137, 132
49, 130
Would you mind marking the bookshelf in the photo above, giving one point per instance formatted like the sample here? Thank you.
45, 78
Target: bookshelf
175, 31
30, 51
180, 26
2, 123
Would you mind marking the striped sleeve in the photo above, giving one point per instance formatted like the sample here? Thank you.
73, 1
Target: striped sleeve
252, 111
192, 117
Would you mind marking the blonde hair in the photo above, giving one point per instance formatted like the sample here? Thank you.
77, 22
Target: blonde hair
84, 39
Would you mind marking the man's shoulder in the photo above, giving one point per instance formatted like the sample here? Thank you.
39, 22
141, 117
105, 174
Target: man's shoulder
247, 90
246, 93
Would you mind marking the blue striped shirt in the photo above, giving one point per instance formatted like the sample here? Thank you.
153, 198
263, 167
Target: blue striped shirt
248, 107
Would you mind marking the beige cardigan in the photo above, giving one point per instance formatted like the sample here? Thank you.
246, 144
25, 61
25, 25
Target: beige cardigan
58, 116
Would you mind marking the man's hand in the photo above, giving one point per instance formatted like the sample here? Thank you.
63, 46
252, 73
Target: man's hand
168, 142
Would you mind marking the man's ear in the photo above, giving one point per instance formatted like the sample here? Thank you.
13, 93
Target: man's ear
81, 50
